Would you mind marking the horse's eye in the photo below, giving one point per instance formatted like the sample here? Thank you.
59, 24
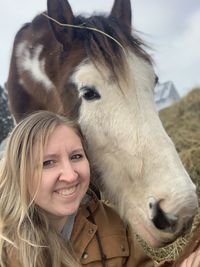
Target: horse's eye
89, 93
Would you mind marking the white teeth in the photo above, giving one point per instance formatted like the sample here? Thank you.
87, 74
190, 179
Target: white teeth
67, 191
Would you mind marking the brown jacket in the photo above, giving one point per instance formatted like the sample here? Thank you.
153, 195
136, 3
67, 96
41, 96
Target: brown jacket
100, 235
101, 239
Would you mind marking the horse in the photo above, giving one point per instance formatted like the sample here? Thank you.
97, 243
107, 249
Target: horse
96, 70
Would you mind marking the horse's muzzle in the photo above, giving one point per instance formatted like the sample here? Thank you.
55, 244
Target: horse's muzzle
166, 222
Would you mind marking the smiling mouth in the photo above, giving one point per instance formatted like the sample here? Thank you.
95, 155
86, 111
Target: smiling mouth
67, 191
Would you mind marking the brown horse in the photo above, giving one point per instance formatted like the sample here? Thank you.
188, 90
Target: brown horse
95, 70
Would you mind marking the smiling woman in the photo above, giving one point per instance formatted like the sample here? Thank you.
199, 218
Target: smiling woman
65, 175
45, 194
43, 177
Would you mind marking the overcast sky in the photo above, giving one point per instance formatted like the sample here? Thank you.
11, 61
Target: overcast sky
171, 27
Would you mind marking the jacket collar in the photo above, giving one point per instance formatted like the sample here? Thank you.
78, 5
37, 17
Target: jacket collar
84, 230
93, 204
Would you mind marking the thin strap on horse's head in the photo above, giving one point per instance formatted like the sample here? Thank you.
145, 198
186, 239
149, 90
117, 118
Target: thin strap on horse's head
83, 26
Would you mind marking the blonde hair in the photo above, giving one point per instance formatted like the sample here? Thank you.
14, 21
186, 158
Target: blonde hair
25, 233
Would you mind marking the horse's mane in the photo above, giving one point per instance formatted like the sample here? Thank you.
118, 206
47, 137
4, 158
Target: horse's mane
100, 47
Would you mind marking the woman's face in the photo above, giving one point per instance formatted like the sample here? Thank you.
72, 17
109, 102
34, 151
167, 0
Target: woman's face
65, 174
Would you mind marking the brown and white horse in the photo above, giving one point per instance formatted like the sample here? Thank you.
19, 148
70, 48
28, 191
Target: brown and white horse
95, 70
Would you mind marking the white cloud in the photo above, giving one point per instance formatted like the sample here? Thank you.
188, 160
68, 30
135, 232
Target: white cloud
179, 59
189, 41
170, 26
154, 17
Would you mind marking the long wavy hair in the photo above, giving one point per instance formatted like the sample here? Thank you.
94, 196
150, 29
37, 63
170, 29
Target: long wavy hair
26, 235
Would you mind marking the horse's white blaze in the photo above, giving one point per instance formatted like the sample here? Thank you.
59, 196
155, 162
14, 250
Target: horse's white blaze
31, 63
138, 161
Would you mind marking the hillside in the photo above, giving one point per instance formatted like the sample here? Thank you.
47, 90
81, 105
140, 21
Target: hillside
182, 123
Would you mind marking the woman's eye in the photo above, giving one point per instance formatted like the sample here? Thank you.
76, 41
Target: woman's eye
76, 157
48, 163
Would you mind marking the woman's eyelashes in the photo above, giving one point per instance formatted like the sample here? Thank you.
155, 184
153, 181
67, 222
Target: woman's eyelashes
77, 157
52, 162
49, 163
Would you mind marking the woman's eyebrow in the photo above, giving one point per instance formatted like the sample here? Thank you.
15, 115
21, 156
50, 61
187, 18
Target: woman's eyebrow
50, 155
78, 150
55, 155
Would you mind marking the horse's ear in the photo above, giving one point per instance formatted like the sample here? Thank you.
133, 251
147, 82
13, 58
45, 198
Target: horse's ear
60, 10
122, 11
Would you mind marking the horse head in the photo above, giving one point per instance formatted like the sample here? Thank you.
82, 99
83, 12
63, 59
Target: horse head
96, 70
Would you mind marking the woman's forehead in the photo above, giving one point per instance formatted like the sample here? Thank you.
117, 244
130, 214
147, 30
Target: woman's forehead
61, 137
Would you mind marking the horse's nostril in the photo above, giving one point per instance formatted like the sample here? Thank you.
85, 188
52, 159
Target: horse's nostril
162, 221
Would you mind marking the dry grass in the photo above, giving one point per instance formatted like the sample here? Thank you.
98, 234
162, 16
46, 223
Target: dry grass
182, 123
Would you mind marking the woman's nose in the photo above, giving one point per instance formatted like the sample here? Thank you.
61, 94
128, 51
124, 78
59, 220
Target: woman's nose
68, 173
